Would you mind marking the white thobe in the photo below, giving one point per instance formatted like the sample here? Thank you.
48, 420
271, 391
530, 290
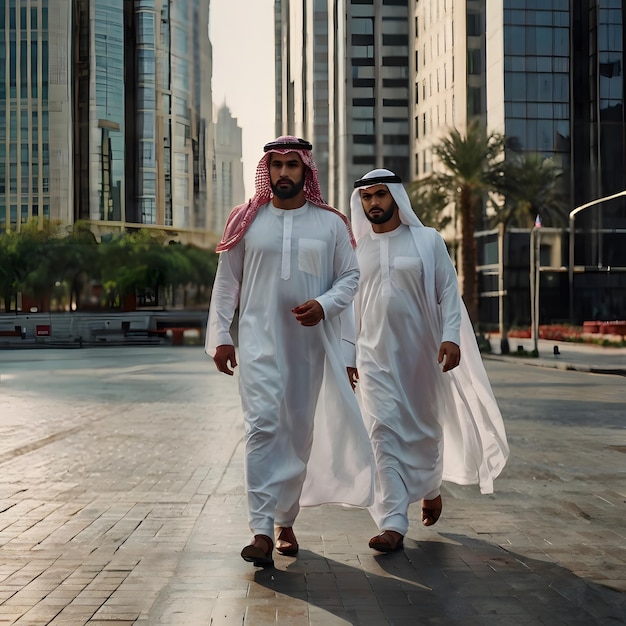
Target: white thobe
401, 383
292, 377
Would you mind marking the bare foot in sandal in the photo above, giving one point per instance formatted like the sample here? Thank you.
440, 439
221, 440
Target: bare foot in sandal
259, 551
431, 511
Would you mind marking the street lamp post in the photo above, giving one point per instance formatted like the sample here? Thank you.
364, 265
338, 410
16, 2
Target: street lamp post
572, 215
535, 277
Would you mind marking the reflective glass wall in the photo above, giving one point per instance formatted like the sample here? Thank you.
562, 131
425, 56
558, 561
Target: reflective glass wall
143, 111
191, 112
599, 159
607, 100
109, 105
537, 79
145, 120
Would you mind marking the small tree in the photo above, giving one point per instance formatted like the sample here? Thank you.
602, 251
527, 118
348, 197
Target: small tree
528, 184
429, 201
203, 269
80, 261
34, 259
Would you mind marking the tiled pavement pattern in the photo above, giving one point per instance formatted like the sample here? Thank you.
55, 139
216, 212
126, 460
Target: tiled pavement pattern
121, 502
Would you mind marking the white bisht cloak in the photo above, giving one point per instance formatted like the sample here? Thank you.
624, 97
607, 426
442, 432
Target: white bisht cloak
475, 446
341, 465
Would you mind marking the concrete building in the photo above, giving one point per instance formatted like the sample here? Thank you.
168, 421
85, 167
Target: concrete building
448, 42
228, 185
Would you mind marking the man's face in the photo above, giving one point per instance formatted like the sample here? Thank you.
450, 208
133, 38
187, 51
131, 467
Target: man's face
378, 204
286, 174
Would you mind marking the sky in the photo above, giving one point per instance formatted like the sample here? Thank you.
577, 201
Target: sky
242, 35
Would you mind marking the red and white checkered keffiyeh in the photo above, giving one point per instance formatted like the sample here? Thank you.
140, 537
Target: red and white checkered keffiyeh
243, 215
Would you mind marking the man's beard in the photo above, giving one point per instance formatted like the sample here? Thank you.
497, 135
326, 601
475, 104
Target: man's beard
385, 216
289, 192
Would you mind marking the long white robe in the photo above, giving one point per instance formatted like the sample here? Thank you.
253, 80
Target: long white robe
425, 425
306, 443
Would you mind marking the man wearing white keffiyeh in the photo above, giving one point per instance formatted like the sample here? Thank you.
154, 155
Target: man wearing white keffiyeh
288, 265
431, 414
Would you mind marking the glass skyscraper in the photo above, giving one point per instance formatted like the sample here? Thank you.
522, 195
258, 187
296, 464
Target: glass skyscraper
599, 157
144, 115
106, 114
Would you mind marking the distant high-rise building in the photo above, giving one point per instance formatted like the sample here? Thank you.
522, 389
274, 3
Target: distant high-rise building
228, 185
343, 82
107, 114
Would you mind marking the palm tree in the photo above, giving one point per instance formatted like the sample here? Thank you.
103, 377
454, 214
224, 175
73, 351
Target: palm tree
530, 185
428, 202
469, 164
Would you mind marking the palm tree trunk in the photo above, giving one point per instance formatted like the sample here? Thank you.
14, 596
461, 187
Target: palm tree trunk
468, 255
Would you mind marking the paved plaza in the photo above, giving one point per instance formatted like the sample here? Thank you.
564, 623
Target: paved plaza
122, 502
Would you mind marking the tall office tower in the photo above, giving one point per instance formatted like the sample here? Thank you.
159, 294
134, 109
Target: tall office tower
143, 115
555, 87
35, 112
598, 158
228, 187
305, 77
343, 82
563, 97
599, 129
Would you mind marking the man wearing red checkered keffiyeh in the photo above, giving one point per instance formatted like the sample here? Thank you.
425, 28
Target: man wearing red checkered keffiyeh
242, 216
288, 266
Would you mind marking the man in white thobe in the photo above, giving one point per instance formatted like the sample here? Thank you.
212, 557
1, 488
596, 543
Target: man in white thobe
288, 265
411, 326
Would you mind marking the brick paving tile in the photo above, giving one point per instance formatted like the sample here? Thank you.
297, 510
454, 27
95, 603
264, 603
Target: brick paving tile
122, 503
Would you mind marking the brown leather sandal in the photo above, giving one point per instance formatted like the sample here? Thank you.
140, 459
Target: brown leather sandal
431, 511
286, 542
259, 551
387, 541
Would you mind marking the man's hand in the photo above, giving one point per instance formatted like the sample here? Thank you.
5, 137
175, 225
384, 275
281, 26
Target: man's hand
310, 313
353, 376
451, 353
223, 356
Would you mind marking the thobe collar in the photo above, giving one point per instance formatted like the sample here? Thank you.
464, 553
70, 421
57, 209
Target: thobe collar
287, 216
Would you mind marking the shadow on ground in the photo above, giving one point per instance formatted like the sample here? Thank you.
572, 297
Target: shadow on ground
461, 581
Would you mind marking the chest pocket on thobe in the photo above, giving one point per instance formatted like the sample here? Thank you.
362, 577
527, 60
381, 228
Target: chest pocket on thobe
406, 273
311, 253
